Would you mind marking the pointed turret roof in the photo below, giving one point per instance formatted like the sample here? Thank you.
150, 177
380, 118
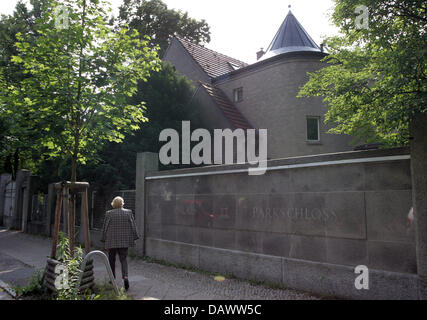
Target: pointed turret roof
290, 37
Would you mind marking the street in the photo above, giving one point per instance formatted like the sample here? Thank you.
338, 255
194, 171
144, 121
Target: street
22, 254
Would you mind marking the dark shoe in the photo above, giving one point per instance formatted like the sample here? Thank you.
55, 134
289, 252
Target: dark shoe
126, 281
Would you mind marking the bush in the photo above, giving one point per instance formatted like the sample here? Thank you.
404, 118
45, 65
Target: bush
35, 286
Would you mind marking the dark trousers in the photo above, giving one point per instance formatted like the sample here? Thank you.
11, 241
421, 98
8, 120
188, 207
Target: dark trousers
123, 253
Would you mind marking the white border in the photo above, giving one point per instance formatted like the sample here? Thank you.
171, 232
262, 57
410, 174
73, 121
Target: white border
284, 167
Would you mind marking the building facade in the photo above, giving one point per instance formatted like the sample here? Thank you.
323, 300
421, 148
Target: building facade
263, 95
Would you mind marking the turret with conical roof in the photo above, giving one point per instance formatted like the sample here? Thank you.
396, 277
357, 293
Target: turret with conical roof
291, 37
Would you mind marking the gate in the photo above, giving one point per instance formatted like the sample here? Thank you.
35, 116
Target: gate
9, 203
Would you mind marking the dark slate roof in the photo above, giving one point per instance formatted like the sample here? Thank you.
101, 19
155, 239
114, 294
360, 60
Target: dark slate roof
230, 111
213, 63
291, 36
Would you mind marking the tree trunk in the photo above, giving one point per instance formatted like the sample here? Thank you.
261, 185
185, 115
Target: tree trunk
72, 208
74, 169
72, 222
15, 162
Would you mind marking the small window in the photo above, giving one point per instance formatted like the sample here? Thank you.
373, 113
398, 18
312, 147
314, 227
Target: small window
238, 94
313, 132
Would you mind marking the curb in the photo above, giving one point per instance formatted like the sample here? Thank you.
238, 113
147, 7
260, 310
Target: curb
8, 289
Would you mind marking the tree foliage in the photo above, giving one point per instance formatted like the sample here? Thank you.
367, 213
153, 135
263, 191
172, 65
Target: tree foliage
110, 166
168, 100
80, 78
153, 18
375, 81
15, 143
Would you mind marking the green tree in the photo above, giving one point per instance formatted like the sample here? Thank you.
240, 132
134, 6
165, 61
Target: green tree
375, 82
168, 100
153, 18
14, 147
81, 76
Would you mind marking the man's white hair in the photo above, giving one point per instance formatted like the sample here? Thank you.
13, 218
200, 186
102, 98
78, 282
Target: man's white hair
118, 202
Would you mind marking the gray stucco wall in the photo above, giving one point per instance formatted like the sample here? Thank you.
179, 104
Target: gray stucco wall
269, 102
322, 217
211, 116
183, 63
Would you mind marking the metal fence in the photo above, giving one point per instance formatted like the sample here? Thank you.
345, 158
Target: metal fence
38, 211
9, 202
39, 215
129, 198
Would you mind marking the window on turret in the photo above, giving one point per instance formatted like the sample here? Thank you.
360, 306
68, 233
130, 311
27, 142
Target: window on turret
313, 129
238, 95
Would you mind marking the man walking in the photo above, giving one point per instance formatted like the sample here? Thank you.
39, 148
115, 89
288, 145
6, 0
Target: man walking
119, 233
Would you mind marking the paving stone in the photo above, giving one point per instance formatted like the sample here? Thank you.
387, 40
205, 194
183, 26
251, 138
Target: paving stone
148, 281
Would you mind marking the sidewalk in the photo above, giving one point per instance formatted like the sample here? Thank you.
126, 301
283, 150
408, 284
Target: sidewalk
22, 254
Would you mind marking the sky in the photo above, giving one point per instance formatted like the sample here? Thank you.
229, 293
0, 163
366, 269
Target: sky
239, 28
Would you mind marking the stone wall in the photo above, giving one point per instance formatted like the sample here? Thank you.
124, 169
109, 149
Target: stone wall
326, 213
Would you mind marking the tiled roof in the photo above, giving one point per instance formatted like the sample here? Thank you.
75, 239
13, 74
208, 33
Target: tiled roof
213, 63
236, 118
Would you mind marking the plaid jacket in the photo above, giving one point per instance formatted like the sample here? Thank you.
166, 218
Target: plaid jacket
119, 230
